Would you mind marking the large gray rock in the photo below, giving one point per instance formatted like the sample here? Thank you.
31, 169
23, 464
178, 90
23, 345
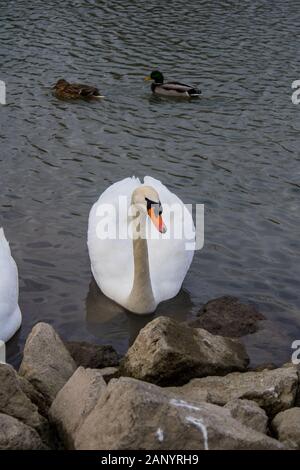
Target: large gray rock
15, 435
75, 401
133, 415
286, 425
249, 413
227, 316
92, 356
14, 402
170, 353
273, 390
46, 362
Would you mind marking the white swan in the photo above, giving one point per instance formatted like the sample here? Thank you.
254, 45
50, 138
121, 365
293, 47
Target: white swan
10, 314
140, 271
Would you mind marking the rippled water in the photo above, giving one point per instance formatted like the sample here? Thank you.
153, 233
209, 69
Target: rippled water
236, 150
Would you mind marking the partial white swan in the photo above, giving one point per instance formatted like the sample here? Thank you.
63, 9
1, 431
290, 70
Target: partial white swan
146, 268
10, 314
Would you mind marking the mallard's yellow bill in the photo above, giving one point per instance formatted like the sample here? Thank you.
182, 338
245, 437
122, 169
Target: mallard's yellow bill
147, 78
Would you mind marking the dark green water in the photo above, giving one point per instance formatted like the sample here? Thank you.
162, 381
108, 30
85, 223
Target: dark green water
236, 150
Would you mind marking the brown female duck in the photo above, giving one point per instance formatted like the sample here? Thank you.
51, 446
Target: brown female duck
71, 91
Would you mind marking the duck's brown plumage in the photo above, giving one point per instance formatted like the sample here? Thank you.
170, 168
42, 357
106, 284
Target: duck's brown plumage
65, 90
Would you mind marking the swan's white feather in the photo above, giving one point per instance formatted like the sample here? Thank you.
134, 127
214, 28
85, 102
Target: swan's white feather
10, 314
112, 260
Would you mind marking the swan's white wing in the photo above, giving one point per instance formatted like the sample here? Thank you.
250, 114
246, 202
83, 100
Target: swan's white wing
10, 315
112, 260
168, 257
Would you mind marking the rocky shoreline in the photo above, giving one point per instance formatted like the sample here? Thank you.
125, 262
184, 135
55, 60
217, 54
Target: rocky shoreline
178, 387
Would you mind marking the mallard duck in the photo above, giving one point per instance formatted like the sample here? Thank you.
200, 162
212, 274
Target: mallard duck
171, 88
71, 91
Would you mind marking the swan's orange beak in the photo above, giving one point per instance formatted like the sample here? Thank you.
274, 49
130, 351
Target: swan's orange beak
157, 220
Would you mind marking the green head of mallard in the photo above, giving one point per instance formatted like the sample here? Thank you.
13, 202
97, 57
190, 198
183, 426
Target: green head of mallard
156, 76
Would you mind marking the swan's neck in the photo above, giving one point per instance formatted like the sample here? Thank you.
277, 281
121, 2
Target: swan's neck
141, 298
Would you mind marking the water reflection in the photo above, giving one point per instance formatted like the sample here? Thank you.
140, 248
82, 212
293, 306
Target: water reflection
105, 318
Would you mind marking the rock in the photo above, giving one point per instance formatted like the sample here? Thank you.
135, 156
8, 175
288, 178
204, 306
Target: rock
262, 367
169, 353
134, 415
15, 435
46, 362
92, 355
297, 367
34, 395
249, 413
75, 401
109, 373
14, 402
227, 316
286, 425
273, 390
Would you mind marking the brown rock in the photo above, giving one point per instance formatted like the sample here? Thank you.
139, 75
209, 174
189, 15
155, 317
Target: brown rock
109, 373
286, 425
170, 353
34, 395
46, 362
92, 355
227, 316
249, 413
75, 401
14, 402
273, 390
15, 435
133, 415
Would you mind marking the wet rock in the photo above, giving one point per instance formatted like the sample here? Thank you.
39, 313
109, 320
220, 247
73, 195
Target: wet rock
14, 402
75, 401
227, 316
15, 435
286, 425
46, 362
170, 353
249, 413
92, 355
133, 415
273, 390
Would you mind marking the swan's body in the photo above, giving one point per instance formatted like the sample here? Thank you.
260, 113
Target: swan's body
10, 314
140, 273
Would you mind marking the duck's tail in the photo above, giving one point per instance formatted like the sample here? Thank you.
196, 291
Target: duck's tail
98, 96
194, 92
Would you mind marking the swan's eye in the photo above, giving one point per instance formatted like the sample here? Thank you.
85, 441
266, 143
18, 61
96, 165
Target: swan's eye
156, 206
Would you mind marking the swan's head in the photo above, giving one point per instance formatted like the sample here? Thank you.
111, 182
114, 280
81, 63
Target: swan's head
147, 200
